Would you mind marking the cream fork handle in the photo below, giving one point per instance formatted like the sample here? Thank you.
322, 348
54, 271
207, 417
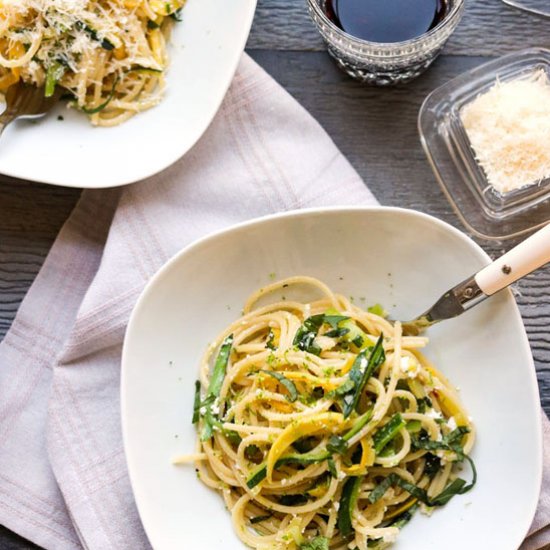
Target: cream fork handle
527, 256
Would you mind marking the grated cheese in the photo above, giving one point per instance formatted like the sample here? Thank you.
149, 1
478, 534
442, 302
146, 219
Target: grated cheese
56, 21
509, 129
432, 413
409, 366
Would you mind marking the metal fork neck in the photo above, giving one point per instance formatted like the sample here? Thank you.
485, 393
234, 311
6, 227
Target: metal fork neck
468, 293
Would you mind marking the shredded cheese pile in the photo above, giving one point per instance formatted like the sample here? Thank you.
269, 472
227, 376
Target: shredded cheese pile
509, 129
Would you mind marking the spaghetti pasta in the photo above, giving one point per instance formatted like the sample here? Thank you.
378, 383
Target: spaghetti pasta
110, 55
323, 426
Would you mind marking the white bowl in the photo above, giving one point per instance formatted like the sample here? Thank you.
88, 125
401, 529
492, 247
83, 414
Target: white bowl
400, 258
204, 51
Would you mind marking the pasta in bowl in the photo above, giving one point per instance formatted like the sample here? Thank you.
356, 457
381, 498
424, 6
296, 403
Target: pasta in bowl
108, 55
323, 426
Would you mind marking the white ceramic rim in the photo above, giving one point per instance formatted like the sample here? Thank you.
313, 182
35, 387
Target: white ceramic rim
532, 506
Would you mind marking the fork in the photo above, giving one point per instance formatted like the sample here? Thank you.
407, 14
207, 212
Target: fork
532, 253
26, 101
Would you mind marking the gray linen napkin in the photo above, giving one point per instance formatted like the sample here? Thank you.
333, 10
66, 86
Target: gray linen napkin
63, 477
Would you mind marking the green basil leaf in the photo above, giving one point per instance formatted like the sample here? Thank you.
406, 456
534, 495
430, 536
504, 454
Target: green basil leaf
454, 488
385, 434
258, 519
358, 341
432, 465
293, 500
269, 342
363, 368
176, 16
233, 437
332, 468
197, 402
423, 403
393, 479
449, 442
344, 388
456, 435
306, 334
288, 384
337, 332
333, 320
337, 444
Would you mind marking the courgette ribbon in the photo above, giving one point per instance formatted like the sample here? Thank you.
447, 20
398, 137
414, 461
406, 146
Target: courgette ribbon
211, 420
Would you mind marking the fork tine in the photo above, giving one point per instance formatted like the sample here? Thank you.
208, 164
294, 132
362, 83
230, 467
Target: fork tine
26, 100
29, 100
23, 100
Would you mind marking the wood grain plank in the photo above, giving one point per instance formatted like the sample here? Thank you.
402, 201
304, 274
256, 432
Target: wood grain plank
11, 541
31, 215
487, 29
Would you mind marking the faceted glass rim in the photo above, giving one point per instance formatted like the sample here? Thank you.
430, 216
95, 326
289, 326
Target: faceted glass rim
389, 46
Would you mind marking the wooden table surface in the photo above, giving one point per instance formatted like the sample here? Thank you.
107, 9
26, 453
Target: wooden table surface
375, 129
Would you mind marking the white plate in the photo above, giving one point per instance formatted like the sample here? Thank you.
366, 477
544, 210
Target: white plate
400, 258
205, 49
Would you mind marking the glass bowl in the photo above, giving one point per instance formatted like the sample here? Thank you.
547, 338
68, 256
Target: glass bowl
483, 210
538, 7
384, 63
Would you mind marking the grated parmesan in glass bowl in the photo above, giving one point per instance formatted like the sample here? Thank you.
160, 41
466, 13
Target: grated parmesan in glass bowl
486, 134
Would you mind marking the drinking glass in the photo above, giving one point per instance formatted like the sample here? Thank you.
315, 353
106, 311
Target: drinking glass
384, 63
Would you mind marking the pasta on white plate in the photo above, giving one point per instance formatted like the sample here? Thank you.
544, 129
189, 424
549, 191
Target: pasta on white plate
323, 426
109, 55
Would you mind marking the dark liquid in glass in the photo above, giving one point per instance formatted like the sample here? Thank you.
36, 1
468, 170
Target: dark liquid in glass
386, 20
